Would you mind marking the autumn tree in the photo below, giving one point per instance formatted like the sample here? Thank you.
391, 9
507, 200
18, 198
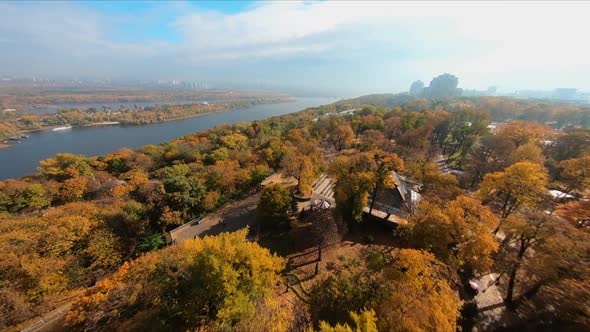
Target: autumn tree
572, 144
374, 139
301, 167
221, 279
18, 195
342, 136
458, 233
364, 321
423, 299
575, 174
65, 166
523, 132
523, 184
492, 153
539, 251
72, 189
578, 213
412, 279
560, 306
528, 152
434, 184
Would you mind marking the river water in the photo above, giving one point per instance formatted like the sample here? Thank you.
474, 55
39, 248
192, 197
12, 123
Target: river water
22, 159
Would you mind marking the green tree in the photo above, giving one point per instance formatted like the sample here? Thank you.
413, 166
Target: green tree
273, 208
355, 178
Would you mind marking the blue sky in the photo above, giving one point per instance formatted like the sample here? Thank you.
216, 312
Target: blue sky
344, 48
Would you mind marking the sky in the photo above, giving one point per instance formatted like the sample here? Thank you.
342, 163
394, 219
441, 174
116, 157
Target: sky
344, 48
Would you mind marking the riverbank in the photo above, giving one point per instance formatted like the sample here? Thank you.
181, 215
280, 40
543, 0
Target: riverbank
77, 118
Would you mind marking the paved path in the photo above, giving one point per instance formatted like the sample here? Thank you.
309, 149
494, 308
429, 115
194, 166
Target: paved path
47, 321
489, 302
229, 218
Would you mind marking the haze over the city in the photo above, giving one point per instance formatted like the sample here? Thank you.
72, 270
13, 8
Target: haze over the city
346, 48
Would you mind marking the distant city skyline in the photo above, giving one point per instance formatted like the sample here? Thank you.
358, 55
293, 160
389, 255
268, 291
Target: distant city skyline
341, 48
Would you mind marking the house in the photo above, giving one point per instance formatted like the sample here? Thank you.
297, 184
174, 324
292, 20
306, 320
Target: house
393, 204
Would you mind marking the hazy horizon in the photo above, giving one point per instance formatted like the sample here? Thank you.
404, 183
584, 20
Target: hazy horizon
347, 48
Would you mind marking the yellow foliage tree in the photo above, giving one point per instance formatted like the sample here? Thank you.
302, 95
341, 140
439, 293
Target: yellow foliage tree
418, 298
215, 282
458, 233
523, 184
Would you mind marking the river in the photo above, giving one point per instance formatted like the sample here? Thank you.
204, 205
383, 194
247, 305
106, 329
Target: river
22, 159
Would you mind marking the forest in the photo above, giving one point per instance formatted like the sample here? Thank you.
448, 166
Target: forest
94, 231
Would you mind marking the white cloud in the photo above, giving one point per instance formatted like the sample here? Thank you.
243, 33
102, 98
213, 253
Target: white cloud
386, 44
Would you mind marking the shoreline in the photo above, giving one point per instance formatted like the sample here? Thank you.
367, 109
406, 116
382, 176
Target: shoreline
118, 123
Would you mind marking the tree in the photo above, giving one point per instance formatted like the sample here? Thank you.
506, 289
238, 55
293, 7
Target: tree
64, 166
435, 186
578, 213
373, 139
301, 168
458, 233
184, 194
215, 281
273, 208
72, 189
540, 250
333, 298
151, 242
523, 184
423, 300
528, 152
465, 128
328, 228
575, 174
561, 306
355, 178
342, 136
407, 292
573, 144
491, 154
363, 322
235, 141
523, 132
386, 163
16, 196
